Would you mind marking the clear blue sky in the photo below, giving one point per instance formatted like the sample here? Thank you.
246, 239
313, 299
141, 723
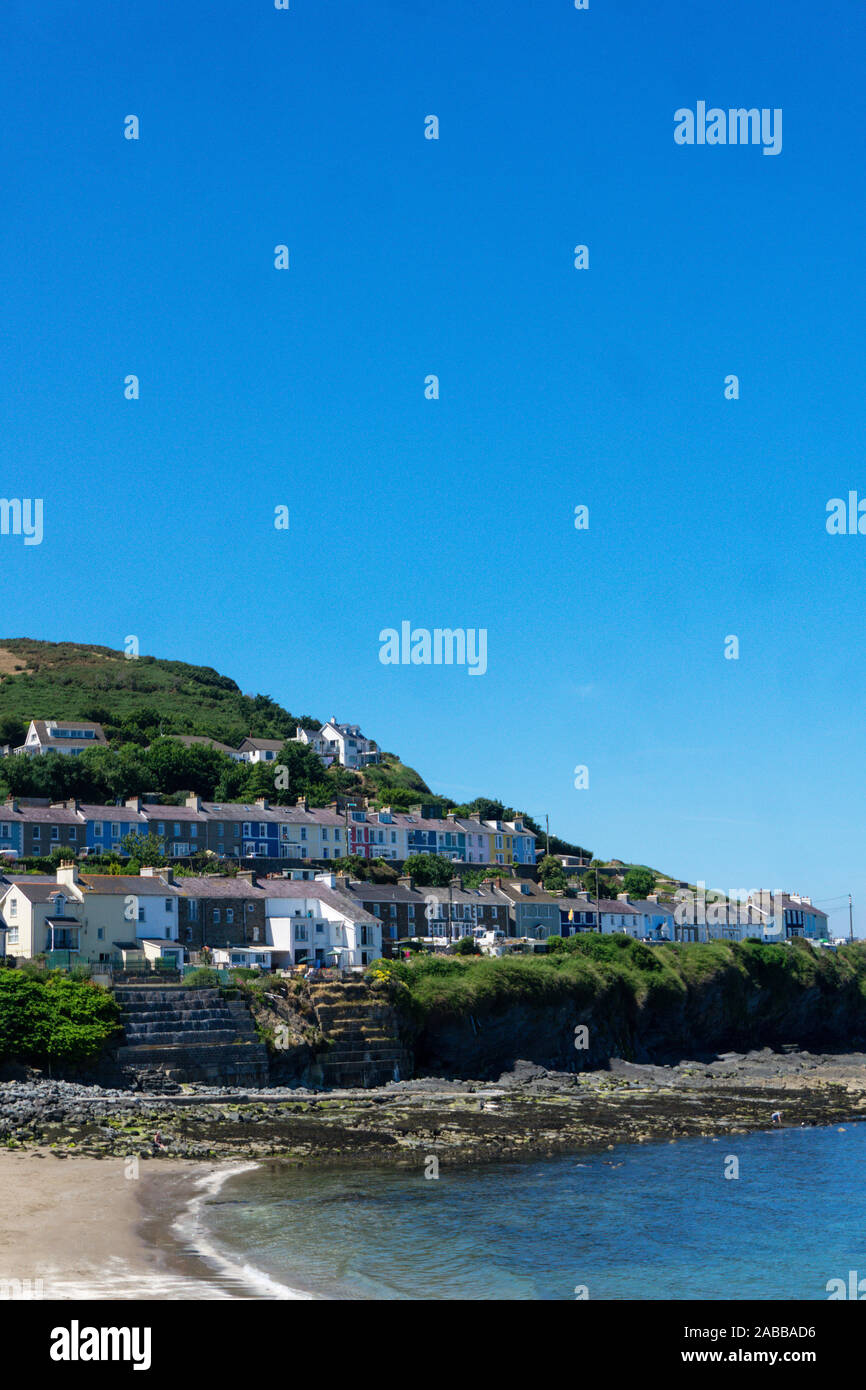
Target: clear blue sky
558, 387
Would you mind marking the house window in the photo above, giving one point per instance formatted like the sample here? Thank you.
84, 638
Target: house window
169, 904
216, 914
230, 915
324, 832
193, 830
115, 830
192, 909
248, 829
177, 827
100, 933
97, 829
160, 827
141, 912
263, 829
13, 907
221, 829
37, 833
13, 936
55, 832
5, 832
304, 832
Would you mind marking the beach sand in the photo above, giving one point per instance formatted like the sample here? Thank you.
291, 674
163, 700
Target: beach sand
79, 1228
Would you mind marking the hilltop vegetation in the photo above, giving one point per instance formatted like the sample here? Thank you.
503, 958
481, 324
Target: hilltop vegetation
143, 702
135, 700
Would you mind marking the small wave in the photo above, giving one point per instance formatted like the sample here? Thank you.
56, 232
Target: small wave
189, 1226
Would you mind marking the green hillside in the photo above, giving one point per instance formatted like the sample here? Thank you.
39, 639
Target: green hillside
141, 704
135, 700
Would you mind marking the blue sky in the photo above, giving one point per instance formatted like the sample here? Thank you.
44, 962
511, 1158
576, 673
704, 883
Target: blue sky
558, 387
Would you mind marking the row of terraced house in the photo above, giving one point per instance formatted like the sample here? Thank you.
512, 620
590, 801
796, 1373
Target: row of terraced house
260, 830
291, 918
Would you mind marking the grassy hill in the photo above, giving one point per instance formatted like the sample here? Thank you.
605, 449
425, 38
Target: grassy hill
138, 701
145, 696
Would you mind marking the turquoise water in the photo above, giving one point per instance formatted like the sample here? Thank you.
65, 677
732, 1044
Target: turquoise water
656, 1221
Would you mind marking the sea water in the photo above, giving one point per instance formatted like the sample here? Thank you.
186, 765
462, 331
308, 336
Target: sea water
772, 1215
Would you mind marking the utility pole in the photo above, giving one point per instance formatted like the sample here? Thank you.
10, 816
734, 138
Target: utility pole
547, 823
850, 918
597, 903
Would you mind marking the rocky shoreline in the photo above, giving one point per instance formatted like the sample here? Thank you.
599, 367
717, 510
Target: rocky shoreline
529, 1112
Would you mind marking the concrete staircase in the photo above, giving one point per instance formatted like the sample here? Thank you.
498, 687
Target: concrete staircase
189, 1035
360, 1026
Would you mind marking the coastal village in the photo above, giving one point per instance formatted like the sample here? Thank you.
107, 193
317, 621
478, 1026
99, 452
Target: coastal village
277, 893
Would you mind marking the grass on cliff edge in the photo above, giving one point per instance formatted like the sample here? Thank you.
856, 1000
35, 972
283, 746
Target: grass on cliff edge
54, 1018
586, 969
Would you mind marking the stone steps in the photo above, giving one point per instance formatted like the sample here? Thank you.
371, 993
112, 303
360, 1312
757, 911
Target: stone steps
363, 1047
189, 1035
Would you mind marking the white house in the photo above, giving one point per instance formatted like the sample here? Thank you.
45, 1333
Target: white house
315, 923
61, 736
313, 738
348, 744
261, 750
252, 957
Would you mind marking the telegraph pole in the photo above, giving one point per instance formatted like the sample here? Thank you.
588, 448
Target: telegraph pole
597, 903
850, 918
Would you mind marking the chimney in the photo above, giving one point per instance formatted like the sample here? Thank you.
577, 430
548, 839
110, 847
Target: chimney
457, 882
623, 898
248, 876
302, 803
12, 804
155, 871
194, 803
67, 873
261, 801
582, 897
407, 882
652, 897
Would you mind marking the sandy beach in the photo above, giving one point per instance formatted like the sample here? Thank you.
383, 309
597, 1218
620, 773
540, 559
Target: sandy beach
75, 1228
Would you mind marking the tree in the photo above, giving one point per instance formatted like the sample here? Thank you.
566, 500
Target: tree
353, 865
429, 870
147, 849
551, 873
639, 882
466, 947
